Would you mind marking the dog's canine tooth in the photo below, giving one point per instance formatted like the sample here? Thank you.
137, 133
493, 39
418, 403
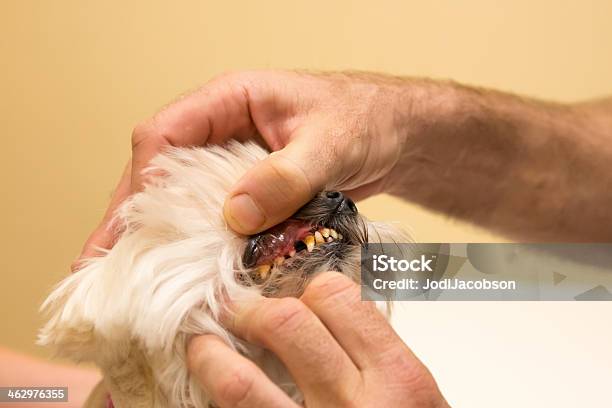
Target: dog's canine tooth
325, 232
309, 240
292, 253
333, 233
318, 237
263, 270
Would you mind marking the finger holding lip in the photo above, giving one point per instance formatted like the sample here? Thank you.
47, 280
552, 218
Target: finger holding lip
318, 364
362, 331
231, 379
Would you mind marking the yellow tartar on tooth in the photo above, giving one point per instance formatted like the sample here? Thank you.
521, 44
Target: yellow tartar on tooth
263, 271
309, 240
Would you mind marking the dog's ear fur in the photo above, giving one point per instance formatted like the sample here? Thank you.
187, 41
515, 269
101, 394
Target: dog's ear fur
69, 329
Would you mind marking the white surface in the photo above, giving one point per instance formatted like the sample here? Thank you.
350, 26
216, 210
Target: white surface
514, 354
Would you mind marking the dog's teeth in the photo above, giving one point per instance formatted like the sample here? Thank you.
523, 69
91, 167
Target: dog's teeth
292, 253
325, 232
340, 236
330, 239
279, 260
263, 271
333, 233
310, 242
318, 237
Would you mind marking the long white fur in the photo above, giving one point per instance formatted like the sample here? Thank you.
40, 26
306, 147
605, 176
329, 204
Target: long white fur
133, 310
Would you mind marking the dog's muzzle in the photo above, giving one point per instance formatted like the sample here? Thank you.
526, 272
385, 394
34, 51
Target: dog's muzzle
323, 224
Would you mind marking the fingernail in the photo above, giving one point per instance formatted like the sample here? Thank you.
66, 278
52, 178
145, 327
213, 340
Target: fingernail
243, 210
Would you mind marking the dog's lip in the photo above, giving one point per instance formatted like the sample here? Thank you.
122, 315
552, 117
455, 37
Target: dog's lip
274, 242
284, 241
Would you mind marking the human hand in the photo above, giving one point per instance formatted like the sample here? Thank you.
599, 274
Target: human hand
340, 351
334, 131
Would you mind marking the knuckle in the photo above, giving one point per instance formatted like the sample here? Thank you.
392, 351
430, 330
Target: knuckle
331, 287
141, 131
200, 351
283, 316
225, 76
76, 265
235, 386
230, 77
147, 130
407, 371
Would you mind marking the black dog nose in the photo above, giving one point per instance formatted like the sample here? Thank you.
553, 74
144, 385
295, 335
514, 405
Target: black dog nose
341, 203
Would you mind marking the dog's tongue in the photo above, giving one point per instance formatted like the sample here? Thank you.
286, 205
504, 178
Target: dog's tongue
275, 242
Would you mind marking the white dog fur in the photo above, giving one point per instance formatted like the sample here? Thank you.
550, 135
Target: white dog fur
133, 310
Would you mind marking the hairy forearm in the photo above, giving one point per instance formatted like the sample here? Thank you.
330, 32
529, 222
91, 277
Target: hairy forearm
532, 170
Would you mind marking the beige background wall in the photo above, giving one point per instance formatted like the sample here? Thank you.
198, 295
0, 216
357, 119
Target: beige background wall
75, 76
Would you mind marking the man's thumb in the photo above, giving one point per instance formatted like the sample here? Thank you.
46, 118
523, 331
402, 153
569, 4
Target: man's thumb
275, 188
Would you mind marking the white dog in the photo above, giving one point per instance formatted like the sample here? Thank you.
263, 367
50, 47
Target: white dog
133, 310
